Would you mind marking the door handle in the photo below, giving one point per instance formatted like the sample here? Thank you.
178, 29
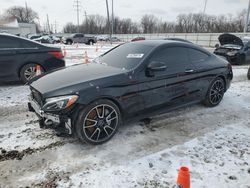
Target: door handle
189, 71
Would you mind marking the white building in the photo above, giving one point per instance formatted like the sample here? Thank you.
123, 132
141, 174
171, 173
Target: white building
15, 28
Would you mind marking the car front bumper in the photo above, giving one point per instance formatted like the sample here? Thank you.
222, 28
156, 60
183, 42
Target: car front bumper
49, 119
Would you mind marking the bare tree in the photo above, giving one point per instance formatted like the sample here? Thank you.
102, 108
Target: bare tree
22, 14
70, 28
149, 23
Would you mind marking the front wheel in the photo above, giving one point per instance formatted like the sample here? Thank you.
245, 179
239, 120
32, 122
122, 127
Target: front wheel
215, 92
28, 72
98, 122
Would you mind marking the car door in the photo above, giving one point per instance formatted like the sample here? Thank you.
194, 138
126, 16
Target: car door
77, 38
9, 57
204, 67
172, 87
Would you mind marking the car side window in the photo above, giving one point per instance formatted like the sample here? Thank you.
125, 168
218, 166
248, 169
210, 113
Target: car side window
175, 58
78, 36
7, 42
197, 56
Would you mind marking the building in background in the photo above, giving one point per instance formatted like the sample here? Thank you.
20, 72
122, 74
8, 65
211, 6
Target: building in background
13, 27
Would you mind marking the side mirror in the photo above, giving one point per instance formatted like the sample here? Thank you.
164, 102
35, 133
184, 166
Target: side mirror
155, 66
217, 46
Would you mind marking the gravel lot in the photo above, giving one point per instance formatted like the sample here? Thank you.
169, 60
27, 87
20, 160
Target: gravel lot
213, 142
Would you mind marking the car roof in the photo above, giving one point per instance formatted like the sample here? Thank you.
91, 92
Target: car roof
156, 43
159, 43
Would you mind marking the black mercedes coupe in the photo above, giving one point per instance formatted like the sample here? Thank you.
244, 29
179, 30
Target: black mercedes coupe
130, 82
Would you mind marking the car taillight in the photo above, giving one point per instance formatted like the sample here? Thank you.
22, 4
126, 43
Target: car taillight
56, 54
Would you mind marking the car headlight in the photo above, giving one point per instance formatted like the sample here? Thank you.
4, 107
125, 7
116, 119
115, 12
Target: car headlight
232, 53
59, 103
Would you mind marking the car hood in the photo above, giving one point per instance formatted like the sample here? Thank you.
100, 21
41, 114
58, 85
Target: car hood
230, 39
74, 75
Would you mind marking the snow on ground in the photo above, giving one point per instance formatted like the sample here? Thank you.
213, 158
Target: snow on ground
213, 142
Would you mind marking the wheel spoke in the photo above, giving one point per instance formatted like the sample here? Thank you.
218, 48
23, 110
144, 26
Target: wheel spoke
109, 120
94, 133
106, 131
99, 132
97, 112
109, 127
109, 115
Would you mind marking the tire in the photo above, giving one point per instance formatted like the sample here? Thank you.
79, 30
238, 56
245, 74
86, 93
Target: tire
95, 127
215, 92
248, 74
28, 72
69, 42
90, 42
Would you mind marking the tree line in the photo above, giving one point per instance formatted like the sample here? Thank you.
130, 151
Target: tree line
97, 24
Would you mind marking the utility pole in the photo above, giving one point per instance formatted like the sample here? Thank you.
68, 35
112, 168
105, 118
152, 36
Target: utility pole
55, 25
113, 23
48, 23
247, 18
78, 8
107, 5
205, 7
27, 14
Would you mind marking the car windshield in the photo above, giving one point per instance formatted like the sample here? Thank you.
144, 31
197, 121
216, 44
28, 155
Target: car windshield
126, 56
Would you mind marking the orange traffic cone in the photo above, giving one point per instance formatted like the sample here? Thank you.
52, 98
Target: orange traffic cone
86, 58
183, 180
64, 51
38, 70
96, 50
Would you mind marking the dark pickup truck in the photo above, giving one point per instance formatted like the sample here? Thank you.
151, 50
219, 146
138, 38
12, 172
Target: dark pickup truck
80, 38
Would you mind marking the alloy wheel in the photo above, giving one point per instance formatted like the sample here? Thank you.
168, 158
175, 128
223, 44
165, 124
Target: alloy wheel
217, 92
30, 73
100, 123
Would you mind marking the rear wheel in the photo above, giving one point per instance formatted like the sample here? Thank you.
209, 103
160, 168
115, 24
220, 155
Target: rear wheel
69, 42
28, 72
248, 74
215, 92
98, 122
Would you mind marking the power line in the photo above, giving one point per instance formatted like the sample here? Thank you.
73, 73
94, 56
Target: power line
77, 5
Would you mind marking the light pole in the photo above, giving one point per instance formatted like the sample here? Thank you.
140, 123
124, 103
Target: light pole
112, 17
205, 6
247, 18
107, 6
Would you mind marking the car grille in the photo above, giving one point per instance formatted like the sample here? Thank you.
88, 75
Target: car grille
37, 96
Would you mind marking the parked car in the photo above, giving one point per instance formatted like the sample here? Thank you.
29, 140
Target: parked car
248, 74
19, 58
133, 80
80, 38
113, 39
102, 37
233, 48
138, 39
44, 39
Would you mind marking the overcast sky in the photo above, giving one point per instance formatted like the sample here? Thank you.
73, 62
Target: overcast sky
62, 11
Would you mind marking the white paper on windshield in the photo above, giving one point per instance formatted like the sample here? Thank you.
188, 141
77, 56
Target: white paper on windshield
135, 56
